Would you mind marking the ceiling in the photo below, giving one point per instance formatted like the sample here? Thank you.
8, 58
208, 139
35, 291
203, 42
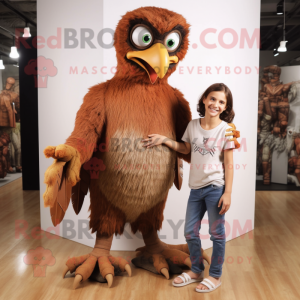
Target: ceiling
15, 14
271, 24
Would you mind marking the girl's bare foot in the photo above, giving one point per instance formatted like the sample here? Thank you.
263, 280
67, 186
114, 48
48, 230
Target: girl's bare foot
191, 274
214, 280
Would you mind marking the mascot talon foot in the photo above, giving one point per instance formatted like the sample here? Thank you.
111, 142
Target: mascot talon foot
165, 272
66, 270
109, 278
77, 280
101, 269
167, 262
170, 260
83, 267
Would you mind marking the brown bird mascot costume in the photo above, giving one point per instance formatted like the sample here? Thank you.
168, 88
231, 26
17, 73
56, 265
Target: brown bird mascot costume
105, 155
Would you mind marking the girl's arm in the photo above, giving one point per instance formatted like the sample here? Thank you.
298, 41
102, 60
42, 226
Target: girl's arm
156, 139
226, 197
228, 165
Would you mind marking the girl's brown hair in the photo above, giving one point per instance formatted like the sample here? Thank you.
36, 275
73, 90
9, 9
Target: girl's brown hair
228, 114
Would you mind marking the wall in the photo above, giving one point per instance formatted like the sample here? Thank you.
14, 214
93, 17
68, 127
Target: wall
10, 70
61, 98
266, 58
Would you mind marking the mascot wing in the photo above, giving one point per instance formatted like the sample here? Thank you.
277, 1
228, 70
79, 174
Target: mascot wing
58, 191
80, 190
66, 177
183, 116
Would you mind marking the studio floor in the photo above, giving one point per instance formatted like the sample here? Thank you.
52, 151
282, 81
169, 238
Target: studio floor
9, 178
268, 267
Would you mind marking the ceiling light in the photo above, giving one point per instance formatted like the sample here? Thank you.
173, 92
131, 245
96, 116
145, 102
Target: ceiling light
14, 53
280, 8
282, 47
26, 32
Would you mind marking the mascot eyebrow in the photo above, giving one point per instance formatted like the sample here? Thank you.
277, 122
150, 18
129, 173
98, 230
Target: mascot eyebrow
157, 36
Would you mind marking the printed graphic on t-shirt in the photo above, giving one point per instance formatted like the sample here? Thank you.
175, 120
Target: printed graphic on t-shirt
204, 150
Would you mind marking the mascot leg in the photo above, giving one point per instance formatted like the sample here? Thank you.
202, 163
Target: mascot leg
89, 265
99, 265
161, 258
157, 256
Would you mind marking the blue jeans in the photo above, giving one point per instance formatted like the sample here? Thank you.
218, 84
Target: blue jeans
200, 200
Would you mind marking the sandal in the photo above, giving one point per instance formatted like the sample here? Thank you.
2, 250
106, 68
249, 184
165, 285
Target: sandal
186, 278
211, 286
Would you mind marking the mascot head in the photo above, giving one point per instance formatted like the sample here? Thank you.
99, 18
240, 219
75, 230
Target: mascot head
150, 42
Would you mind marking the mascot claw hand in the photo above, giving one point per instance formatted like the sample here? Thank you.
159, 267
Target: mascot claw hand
67, 158
234, 133
127, 184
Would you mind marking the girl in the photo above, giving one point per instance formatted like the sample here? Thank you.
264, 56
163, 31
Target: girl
206, 138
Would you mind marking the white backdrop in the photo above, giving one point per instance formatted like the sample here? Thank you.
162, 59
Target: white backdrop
290, 74
60, 101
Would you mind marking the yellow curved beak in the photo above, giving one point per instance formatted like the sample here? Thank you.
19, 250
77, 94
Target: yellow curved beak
155, 60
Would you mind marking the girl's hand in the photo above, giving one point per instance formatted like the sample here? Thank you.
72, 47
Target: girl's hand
153, 140
226, 199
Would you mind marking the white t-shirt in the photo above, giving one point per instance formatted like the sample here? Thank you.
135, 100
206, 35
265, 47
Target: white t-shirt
207, 153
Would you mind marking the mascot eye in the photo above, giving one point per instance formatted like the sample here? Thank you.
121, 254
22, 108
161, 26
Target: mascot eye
141, 37
172, 41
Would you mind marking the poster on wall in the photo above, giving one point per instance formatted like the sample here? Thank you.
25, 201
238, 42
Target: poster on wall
10, 138
278, 151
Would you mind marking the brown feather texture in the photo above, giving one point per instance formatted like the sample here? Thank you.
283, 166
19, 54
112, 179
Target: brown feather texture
80, 190
53, 179
62, 201
57, 214
178, 173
